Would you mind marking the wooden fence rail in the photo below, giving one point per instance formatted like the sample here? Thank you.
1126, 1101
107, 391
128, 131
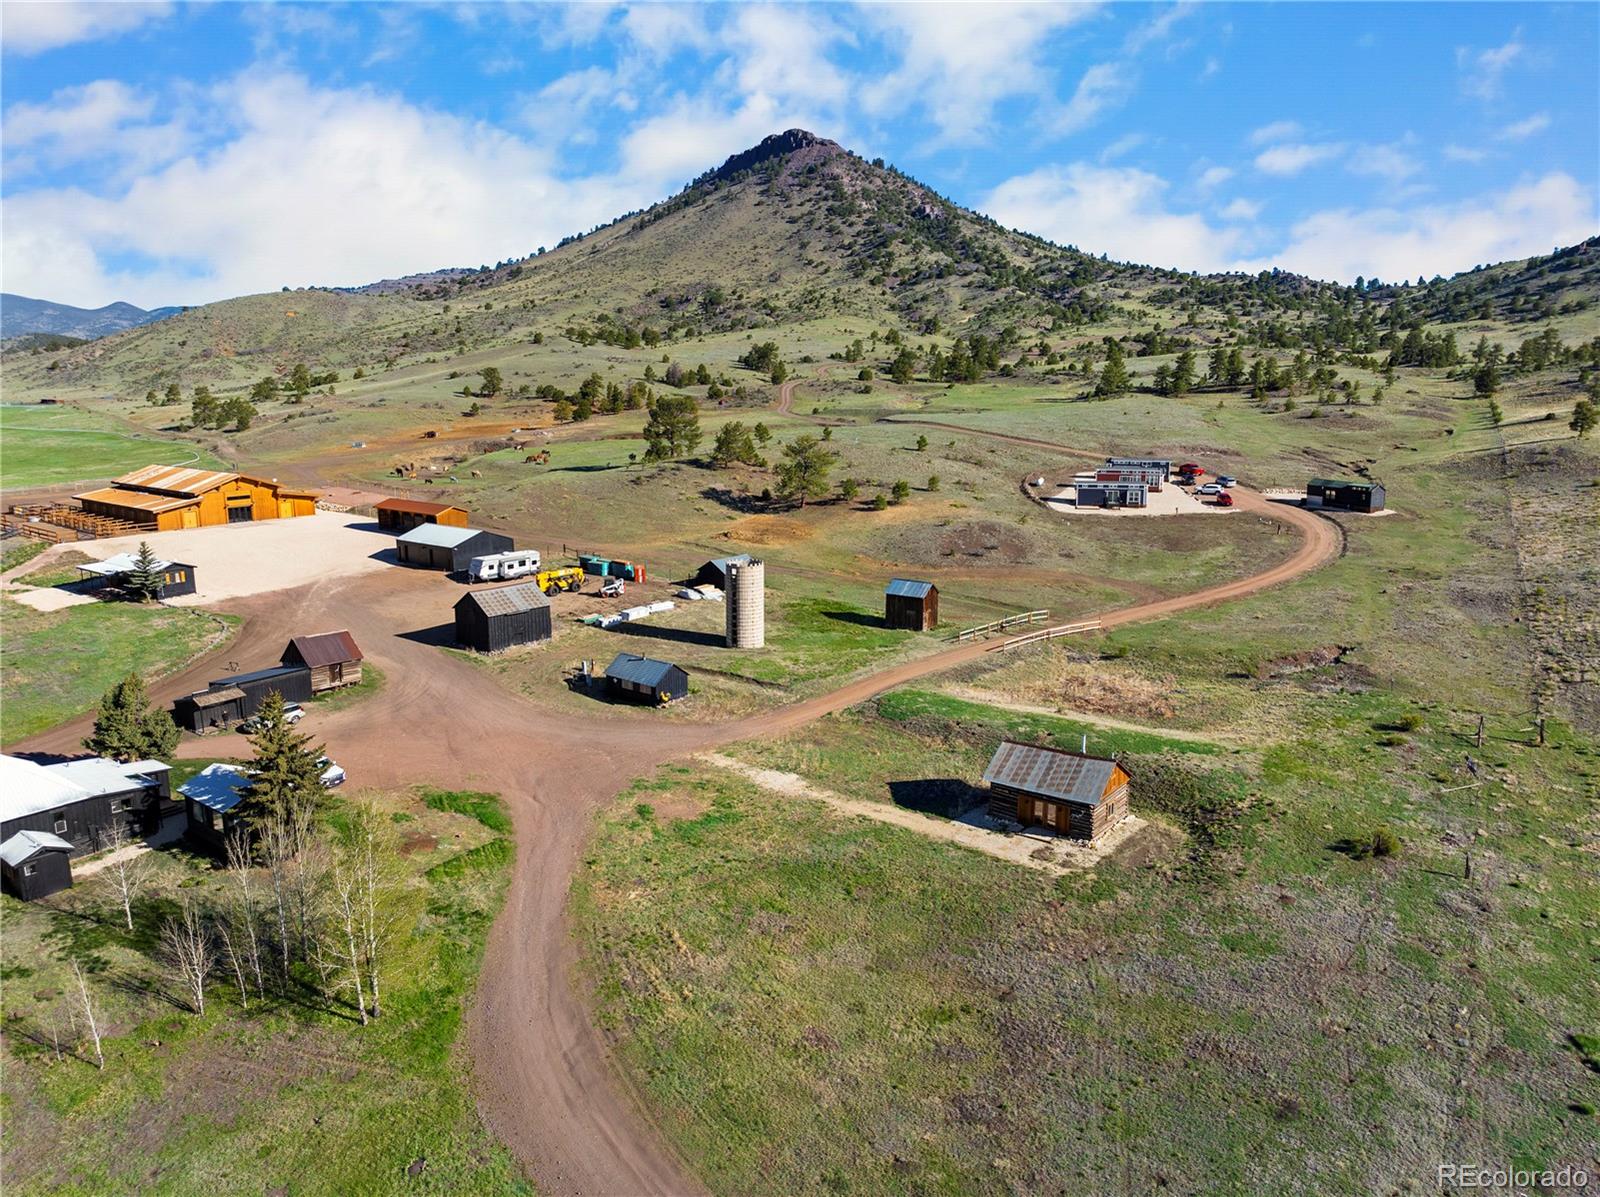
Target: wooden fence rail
1001, 625
1044, 634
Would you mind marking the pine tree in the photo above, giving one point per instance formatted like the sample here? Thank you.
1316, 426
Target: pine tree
286, 773
492, 381
128, 728
1114, 378
673, 428
803, 472
734, 446
1585, 415
1183, 373
144, 580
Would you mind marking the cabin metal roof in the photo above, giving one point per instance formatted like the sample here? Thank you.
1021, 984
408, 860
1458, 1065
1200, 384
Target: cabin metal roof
1343, 485
416, 507
219, 787
124, 563
508, 600
258, 675
215, 698
27, 787
641, 671
1050, 772
908, 588
439, 536
25, 845
326, 648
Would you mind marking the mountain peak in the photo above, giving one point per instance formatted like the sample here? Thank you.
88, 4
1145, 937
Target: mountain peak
788, 144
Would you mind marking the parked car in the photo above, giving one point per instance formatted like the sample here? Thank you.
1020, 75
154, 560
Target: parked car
1190, 468
1224, 500
332, 774
293, 712
1226, 480
1210, 488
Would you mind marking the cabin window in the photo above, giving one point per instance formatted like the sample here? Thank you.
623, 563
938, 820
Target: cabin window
28, 870
61, 822
117, 806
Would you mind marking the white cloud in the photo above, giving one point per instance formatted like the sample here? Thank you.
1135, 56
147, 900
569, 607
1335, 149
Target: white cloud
1482, 73
693, 134
1465, 153
783, 53
1212, 67
1122, 146
314, 185
1276, 131
1386, 161
960, 60
1103, 86
661, 30
32, 28
1115, 210
1213, 176
1530, 218
1242, 209
1158, 27
103, 119
1524, 129
1293, 157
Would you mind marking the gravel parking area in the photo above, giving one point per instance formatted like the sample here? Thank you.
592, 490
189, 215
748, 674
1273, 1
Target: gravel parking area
1169, 500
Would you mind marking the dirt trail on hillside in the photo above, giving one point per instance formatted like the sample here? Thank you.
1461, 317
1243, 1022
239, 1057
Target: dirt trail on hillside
544, 1078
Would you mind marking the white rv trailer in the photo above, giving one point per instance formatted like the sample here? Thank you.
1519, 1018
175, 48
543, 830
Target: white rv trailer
497, 567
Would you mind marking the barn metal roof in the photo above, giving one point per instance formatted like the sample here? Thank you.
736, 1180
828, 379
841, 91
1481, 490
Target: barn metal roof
123, 563
215, 698
416, 507
1050, 772
27, 844
1342, 484
138, 500
509, 600
219, 787
908, 588
175, 479
641, 671
720, 564
439, 536
99, 776
27, 787
257, 675
326, 648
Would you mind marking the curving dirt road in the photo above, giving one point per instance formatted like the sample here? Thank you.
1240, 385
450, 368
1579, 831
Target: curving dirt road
546, 1083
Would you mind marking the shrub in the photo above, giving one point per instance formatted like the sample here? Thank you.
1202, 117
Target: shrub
1385, 842
1409, 722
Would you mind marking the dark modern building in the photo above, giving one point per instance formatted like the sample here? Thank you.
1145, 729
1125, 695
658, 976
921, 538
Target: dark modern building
35, 864
402, 515
715, 571
911, 605
1112, 494
177, 578
1067, 792
1346, 496
646, 679
81, 801
333, 658
211, 805
233, 699
440, 546
493, 620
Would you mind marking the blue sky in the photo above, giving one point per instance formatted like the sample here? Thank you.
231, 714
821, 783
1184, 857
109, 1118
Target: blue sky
172, 153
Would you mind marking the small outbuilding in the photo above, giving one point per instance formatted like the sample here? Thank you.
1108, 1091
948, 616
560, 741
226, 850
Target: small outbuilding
402, 515
177, 578
333, 658
1070, 793
493, 620
35, 864
211, 805
911, 605
646, 679
1346, 496
1111, 494
715, 571
291, 682
441, 546
210, 710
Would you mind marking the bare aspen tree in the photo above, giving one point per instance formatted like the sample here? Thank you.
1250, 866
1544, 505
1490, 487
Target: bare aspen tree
372, 855
347, 902
277, 846
244, 914
233, 954
125, 876
186, 945
86, 1004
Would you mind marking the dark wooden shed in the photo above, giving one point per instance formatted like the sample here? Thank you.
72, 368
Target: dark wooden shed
1067, 792
211, 806
493, 620
177, 577
35, 864
402, 515
292, 682
715, 571
1346, 496
437, 546
646, 679
210, 710
911, 605
333, 658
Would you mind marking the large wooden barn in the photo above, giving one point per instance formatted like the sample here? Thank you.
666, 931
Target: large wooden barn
438, 546
493, 620
1068, 792
402, 515
333, 658
911, 605
171, 497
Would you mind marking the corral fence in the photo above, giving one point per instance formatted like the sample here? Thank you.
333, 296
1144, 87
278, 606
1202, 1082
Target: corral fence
1003, 625
1044, 634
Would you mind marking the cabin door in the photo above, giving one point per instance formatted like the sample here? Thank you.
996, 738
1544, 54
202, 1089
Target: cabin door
1045, 813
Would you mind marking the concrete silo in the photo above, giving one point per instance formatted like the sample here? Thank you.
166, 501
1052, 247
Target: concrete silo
745, 599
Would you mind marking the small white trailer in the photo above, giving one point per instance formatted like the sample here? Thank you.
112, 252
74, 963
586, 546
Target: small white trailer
498, 567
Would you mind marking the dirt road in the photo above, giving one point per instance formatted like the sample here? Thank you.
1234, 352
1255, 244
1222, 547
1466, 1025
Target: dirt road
545, 1082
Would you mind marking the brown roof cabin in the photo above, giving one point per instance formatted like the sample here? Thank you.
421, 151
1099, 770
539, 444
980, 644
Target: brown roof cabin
402, 515
912, 605
332, 657
1074, 795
